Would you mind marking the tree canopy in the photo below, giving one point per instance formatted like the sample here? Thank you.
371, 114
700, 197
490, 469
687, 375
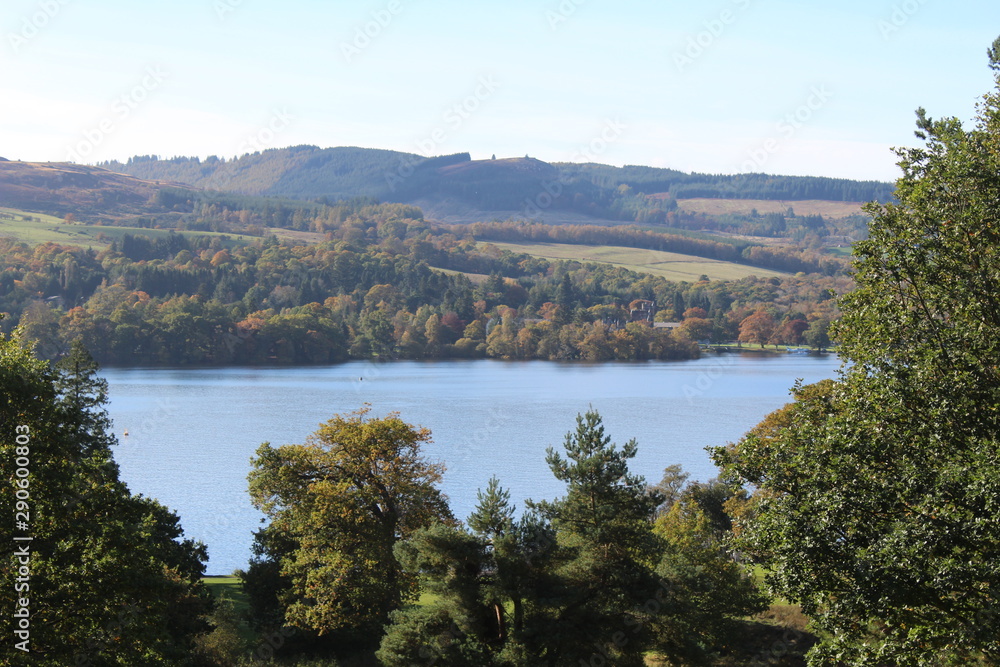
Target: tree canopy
105, 575
878, 495
587, 578
338, 504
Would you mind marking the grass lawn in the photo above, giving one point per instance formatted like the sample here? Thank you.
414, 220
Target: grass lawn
230, 588
670, 265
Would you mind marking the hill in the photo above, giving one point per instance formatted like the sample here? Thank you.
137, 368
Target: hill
461, 189
59, 189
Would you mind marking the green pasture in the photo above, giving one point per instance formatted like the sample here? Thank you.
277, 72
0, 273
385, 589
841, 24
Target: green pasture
37, 228
670, 265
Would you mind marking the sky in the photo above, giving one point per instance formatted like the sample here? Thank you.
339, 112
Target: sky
725, 86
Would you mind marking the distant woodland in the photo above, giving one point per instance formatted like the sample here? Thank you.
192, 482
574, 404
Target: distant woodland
385, 285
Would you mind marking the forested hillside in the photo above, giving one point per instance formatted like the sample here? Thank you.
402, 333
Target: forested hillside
85, 192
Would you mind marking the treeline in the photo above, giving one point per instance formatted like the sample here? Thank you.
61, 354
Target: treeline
811, 230
682, 185
612, 570
253, 216
631, 237
383, 287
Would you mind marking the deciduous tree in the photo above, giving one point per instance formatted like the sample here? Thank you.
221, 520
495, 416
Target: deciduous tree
757, 328
338, 504
879, 497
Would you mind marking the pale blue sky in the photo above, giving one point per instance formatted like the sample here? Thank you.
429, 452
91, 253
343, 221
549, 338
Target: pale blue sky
622, 82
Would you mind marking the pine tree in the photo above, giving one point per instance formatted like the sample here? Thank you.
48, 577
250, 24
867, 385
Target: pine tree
604, 523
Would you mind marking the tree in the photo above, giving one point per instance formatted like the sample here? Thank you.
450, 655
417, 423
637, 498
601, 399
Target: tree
709, 592
697, 328
109, 580
39, 325
670, 487
878, 496
695, 312
604, 523
791, 331
338, 504
818, 334
488, 584
757, 328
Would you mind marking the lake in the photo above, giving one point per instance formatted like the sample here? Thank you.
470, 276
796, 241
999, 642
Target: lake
192, 431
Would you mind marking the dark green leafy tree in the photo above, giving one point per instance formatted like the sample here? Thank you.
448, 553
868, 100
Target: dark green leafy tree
878, 499
488, 584
708, 592
110, 580
818, 334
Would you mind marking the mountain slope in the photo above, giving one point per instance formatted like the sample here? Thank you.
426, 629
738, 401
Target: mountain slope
298, 172
59, 188
527, 187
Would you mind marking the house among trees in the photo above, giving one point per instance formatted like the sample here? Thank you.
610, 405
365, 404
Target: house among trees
642, 310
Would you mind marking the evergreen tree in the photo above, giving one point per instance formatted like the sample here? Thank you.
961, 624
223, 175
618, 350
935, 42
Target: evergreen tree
105, 575
489, 586
604, 523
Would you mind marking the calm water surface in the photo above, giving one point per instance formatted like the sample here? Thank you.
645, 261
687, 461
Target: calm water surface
192, 431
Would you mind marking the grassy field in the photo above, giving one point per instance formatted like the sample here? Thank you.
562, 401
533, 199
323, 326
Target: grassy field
476, 278
828, 209
35, 228
227, 587
844, 252
670, 265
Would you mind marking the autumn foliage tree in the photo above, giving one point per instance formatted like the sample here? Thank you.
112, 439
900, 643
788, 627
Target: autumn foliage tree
337, 505
757, 328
